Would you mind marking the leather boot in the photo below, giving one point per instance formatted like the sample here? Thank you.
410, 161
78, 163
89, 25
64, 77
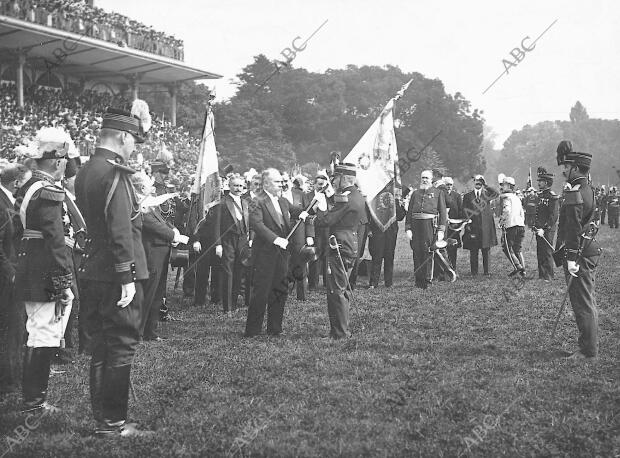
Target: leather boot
36, 373
116, 393
97, 370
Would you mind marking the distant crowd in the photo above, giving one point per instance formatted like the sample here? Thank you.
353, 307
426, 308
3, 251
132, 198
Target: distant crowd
81, 18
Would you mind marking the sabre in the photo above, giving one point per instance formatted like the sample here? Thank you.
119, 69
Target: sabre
333, 244
298, 222
534, 229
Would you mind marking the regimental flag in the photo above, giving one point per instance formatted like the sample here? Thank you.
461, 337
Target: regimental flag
206, 190
376, 157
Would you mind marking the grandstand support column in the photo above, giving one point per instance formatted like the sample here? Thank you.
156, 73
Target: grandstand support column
172, 89
21, 61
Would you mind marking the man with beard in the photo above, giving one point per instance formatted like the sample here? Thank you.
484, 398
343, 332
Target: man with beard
427, 211
454, 202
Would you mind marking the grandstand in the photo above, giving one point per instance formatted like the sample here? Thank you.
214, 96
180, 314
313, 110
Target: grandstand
59, 66
64, 44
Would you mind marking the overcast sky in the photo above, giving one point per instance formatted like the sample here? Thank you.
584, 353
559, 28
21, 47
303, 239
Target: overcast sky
460, 42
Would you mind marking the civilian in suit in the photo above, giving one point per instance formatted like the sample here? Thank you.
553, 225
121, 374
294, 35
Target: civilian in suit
12, 317
454, 202
270, 218
480, 234
231, 240
157, 237
207, 264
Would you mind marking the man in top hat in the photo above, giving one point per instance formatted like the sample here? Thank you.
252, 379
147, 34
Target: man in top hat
43, 277
480, 234
341, 216
426, 213
512, 222
576, 241
114, 267
545, 224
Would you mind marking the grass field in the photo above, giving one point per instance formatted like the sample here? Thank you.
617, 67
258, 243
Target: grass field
451, 371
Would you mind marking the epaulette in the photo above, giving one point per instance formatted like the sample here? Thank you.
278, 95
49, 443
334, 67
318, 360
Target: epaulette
121, 167
341, 198
573, 196
53, 193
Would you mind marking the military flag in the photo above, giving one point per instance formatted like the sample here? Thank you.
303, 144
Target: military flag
206, 189
376, 158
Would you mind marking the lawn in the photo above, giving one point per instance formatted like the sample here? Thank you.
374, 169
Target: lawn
456, 370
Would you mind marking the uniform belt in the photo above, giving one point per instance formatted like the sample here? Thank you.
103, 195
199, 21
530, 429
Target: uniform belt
423, 215
32, 234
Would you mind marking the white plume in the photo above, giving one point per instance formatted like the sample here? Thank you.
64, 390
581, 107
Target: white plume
140, 109
164, 155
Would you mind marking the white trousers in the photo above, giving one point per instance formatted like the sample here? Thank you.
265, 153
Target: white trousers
43, 328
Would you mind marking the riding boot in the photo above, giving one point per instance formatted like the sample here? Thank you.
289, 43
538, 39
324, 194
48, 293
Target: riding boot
36, 373
115, 391
97, 371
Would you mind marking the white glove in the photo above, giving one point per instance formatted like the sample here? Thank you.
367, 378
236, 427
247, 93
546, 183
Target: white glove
439, 235
197, 247
309, 241
67, 297
573, 268
409, 234
303, 215
540, 232
250, 243
128, 291
321, 202
280, 242
329, 190
218, 251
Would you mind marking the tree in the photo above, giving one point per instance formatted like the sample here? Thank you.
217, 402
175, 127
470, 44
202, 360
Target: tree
578, 113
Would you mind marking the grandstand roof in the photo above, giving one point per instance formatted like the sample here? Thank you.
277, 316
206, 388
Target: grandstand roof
90, 58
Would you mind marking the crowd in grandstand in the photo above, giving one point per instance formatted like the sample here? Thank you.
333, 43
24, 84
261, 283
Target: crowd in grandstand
81, 116
81, 18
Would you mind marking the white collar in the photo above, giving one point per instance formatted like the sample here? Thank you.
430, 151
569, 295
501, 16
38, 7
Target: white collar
271, 196
8, 194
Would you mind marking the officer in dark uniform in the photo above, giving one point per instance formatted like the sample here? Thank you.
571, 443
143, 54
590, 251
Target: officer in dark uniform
454, 203
43, 277
113, 269
576, 242
545, 224
613, 207
342, 216
427, 209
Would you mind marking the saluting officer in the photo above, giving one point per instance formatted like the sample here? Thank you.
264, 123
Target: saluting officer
342, 216
576, 240
43, 277
545, 224
427, 209
114, 267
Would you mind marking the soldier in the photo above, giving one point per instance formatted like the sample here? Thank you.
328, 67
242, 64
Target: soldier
512, 222
342, 218
602, 203
113, 269
318, 268
577, 245
530, 202
613, 207
43, 277
545, 225
427, 212
303, 235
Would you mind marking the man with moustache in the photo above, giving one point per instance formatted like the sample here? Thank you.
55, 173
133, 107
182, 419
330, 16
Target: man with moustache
545, 224
317, 268
577, 245
454, 202
270, 217
427, 211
